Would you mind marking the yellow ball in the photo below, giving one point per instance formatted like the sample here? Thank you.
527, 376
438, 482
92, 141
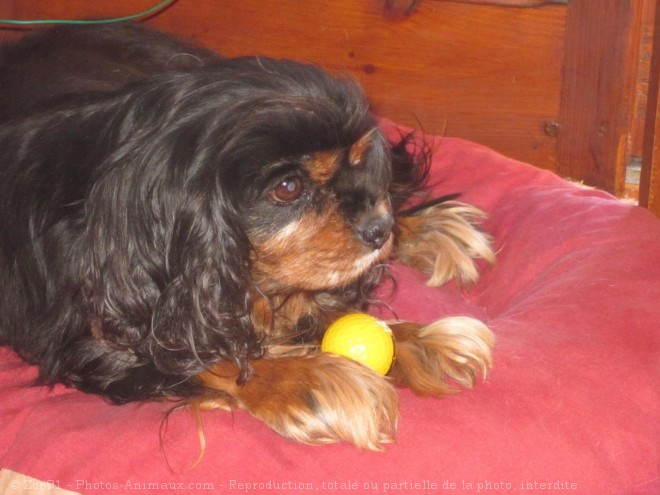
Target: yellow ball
362, 338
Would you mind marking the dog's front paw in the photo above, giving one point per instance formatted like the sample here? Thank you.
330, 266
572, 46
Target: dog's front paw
444, 240
431, 357
317, 399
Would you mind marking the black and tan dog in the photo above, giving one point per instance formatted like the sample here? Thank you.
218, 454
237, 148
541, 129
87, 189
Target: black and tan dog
174, 224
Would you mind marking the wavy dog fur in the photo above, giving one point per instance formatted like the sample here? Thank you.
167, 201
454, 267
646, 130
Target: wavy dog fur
177, 224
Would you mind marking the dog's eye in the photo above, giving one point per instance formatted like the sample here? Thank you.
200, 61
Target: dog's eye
287, 190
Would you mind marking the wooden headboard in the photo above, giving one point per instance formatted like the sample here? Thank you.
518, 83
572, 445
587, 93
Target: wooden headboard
559, 84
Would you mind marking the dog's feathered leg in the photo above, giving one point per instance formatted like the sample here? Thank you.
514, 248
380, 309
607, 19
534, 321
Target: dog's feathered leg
443, 240
430, 357
315, 399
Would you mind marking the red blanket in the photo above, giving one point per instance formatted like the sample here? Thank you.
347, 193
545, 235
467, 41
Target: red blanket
570, 407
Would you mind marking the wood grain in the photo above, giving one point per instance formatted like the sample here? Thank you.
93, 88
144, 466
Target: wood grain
515, 3
650, 182
487, 73
599, 91
559, 87
643, 76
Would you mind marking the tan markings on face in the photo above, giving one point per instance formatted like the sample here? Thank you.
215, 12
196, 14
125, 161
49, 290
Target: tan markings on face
319, 251
322, 166
359, 148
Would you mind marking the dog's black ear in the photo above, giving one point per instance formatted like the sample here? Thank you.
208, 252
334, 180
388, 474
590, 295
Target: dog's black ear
123, 245
167, 255
203, 311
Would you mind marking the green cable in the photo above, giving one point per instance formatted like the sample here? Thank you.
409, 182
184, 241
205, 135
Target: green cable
144, 13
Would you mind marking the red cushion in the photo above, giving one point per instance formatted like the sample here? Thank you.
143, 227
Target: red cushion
570, 407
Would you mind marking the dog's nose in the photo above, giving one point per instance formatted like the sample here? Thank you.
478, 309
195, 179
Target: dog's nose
375, 231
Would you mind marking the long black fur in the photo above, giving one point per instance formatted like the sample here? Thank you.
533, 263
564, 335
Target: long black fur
130, 164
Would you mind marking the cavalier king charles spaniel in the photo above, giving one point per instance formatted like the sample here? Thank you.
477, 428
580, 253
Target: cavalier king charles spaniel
178, 225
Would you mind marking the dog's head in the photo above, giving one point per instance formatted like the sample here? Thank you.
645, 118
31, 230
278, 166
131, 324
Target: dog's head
309, 173
250, 176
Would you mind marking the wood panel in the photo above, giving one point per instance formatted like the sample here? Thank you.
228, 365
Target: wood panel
599, 91
515, 3
486, 73
643, 77
650, 182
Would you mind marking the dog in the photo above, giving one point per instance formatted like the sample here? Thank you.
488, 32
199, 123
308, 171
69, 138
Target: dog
179, 225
